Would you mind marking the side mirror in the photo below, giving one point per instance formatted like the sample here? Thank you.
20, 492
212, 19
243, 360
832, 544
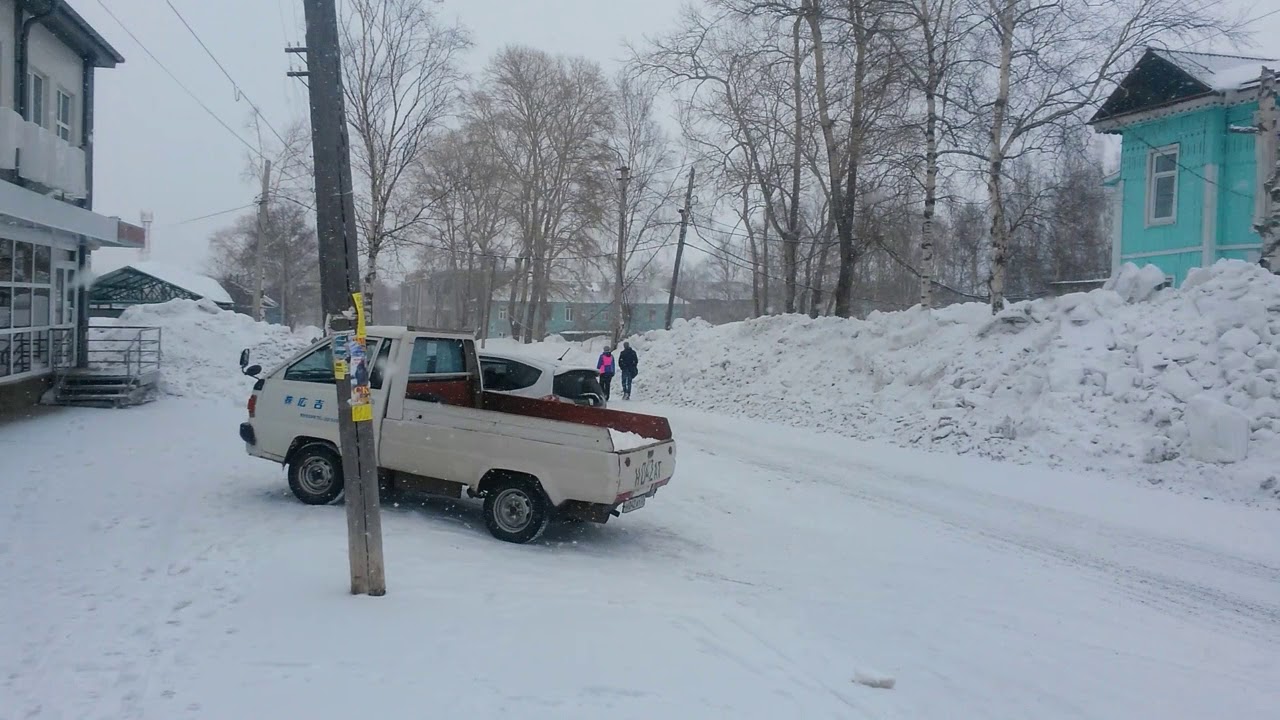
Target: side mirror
252, 370
244, 358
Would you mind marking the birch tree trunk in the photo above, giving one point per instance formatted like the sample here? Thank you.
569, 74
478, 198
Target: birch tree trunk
995, 160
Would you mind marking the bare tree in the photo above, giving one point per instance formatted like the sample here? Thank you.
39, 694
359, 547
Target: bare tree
548, 121
401, 79
292, 276
1048, 60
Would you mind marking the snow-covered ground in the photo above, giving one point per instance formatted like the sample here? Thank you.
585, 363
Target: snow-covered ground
1176, 387
153, 571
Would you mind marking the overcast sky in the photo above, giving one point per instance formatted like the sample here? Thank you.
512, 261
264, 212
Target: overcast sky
156, 149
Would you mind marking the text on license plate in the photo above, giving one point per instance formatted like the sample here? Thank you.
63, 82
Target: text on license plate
632, 504
647, 473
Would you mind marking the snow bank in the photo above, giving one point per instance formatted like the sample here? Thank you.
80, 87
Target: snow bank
1174, 386
202, 342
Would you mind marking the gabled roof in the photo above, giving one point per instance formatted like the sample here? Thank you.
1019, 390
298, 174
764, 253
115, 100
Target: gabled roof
67, 25
133, 276
1164, 78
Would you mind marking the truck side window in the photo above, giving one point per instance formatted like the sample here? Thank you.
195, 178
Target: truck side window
380, 365
316, 367
436, 357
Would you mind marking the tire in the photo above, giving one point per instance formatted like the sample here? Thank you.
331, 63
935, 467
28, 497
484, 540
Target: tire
315, 475
516, 511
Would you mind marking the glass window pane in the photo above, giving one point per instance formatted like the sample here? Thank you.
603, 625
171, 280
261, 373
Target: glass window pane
21, 307
1167, 162
4, 355
40, 308
1163, 208
59, 296
314, 368
23, 262
21, 350
6, 260
436, 357
6, 307
44, 264
40, 350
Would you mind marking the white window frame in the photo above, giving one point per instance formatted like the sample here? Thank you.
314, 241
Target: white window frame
502, 313
1153, 176
70, 125
569, 314
43, 119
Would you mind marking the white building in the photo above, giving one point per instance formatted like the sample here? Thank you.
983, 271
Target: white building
48, 56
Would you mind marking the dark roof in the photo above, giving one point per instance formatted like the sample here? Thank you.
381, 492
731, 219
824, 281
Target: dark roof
133, 286
1165, 77
68, 26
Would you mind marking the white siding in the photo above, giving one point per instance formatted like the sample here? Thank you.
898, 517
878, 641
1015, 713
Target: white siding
64, 69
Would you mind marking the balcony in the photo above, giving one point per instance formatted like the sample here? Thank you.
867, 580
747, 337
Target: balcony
45, 158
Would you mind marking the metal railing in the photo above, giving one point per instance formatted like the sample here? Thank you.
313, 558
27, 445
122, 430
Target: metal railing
129, 351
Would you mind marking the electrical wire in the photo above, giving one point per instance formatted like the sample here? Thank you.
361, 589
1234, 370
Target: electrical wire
239, 91
185, 89
210, 215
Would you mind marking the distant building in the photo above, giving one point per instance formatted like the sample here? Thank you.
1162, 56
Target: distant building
47, 224
1190, 183
721, 302
577, 315
150, 283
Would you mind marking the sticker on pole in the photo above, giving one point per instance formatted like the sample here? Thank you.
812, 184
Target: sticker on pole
361, 405
359, 299
340, 343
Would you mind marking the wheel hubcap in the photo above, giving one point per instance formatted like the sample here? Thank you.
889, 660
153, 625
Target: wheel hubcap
513, 510
316, 476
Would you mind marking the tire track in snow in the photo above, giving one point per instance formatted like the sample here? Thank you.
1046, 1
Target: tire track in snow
1210, 605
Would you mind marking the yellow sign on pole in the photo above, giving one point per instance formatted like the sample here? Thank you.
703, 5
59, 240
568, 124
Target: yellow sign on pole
358, 298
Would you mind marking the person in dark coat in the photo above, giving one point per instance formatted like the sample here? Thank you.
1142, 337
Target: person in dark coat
606, 367
629, 364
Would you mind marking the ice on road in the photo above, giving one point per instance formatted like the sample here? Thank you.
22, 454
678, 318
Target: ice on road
151, 570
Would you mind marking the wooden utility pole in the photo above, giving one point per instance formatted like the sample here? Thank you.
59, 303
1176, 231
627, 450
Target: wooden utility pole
340, 293
262, 240
487, 308
685, 212
624, 178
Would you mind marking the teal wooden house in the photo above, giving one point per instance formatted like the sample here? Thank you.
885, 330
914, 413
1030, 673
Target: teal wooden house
1189, 188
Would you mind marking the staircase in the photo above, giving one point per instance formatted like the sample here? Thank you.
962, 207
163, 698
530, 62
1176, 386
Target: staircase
121, 368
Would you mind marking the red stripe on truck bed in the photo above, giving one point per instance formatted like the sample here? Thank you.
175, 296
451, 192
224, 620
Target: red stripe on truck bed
649, 426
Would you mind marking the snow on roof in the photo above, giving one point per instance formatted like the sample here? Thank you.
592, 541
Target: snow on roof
1220, 72
194, 283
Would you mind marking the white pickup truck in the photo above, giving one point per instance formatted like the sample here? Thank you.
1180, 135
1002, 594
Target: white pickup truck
438, 432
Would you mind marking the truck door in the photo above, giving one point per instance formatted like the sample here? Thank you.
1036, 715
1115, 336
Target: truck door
425, 437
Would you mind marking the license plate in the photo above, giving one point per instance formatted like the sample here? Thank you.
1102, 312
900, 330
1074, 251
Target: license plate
632, 504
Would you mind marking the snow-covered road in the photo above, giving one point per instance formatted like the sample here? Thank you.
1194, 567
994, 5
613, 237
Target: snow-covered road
151, 570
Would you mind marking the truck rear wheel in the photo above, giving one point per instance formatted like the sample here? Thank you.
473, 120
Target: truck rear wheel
516, 511
315, 475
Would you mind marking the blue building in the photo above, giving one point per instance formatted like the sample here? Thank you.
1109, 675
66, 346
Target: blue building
587, 314
1189, 189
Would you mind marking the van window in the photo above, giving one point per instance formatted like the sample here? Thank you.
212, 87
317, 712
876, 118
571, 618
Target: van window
379, 364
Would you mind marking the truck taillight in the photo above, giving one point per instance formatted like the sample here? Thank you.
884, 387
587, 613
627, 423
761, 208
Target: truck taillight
253, 404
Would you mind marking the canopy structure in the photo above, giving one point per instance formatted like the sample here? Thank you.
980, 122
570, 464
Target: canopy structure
149, 284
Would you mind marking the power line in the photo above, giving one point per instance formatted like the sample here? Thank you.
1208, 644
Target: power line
239, 91
185, 89
211, 215
1246, 23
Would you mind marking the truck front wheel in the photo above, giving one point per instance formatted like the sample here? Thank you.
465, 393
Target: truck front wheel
315, 475
516, 511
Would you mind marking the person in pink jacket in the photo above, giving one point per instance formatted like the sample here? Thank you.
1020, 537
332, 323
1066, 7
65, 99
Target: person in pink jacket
606, 367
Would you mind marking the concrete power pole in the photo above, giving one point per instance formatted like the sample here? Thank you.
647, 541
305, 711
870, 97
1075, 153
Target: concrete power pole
1268, 159
685, 212
262, 240
340, 295
624, 178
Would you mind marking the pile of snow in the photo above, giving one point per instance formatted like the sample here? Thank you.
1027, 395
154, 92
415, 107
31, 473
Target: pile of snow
1174, 386
201, 346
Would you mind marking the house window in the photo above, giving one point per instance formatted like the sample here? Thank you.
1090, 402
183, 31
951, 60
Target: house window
653, 314
502, 313
1162, 186
66, 105
569, 313
36, 103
